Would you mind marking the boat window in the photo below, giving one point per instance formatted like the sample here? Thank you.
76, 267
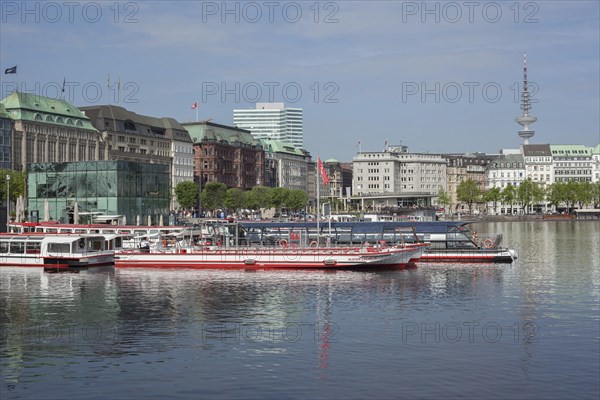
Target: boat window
17, 247
64, 230
59, 248
3, 247
52, 230
33, 248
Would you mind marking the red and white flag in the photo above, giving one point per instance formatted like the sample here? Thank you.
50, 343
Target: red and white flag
322, 171
195, 106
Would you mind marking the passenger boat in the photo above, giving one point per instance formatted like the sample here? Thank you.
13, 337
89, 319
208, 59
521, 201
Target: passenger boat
450, 241
57, 252
277, 257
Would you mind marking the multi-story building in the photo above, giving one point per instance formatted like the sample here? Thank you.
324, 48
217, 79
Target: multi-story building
141, 138
596, 163
50, 130
272, 121
5, 136
572, 162
538, 163
226, 154
396, 178
138, 191
507, 170
462, 167
292, 164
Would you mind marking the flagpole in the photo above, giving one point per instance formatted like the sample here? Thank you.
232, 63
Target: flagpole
318, 200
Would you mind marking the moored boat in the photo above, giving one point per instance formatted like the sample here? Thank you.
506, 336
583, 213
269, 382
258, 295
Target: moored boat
289, 257
57, 252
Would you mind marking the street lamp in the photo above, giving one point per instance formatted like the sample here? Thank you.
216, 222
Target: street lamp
7, 201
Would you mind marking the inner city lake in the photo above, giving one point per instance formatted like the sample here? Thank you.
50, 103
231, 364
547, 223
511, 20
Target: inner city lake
525, 330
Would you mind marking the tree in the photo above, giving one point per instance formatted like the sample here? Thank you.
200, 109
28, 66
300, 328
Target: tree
570, 195
234, 199
17, 184
213, 195
509, 195
186, 194
468, 192
297, 199
443, 198
596, 194
557, 193
585, 194
278, 197
525, 193
257, 198
493, 196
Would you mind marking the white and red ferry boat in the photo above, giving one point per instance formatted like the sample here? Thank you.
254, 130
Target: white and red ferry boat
58, 251
288, 257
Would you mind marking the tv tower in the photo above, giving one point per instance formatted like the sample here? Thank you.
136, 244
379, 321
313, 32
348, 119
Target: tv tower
525, 120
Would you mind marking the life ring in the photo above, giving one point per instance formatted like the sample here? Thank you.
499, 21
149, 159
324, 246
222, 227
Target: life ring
283, 243
313, 244
488, 244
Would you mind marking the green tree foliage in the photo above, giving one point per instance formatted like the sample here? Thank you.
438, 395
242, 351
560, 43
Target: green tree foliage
234, 199
213, 195
443, 198
525, 194
468, 192
278, 197
17, 184
509, 195
186, 194
596, 194
584, 193
493, 195
257, 198
297, 199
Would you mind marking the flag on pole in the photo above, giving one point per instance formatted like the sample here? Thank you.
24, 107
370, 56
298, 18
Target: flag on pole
386, 142
11, 70
358, 144
323, 173
63, 87
195, 105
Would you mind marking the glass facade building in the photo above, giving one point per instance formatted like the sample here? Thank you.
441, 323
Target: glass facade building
138, 191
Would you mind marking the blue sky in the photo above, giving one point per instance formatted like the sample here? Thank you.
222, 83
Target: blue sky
436, 76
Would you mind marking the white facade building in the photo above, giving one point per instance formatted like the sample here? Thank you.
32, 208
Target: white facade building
504, 171
572, 162
398, 178
272, 121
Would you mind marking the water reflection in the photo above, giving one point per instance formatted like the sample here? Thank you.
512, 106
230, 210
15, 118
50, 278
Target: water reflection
312, 331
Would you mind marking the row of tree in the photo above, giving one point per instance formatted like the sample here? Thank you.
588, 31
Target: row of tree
216, 196
528, 193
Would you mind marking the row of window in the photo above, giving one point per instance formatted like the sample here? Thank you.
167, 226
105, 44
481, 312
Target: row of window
58, 120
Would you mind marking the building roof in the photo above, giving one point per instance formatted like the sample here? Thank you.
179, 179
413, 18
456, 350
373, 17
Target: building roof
231, 135
3, 112
596, 150
570, 150
278, 146
119, 119
536, 150
35, 108
331, 160
507, 160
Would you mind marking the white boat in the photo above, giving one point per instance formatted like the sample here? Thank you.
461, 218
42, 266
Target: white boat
281, 257
57, 252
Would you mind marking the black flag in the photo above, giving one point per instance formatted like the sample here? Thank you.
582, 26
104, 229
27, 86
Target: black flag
12, 70
63, 87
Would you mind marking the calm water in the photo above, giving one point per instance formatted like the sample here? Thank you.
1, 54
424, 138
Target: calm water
521, 331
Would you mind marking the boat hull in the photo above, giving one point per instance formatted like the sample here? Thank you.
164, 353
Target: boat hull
308, 258
469, 255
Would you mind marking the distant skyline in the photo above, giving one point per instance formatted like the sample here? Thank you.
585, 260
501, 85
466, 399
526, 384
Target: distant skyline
434, 76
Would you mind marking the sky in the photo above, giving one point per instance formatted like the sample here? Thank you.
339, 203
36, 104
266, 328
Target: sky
438, 77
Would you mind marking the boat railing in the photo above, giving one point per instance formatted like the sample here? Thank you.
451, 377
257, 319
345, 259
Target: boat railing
488, 240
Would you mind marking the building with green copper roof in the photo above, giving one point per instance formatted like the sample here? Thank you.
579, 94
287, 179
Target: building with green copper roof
288, 165
50, 130
572, 162
226, 154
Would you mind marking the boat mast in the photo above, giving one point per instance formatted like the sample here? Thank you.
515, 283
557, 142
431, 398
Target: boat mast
318, 198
